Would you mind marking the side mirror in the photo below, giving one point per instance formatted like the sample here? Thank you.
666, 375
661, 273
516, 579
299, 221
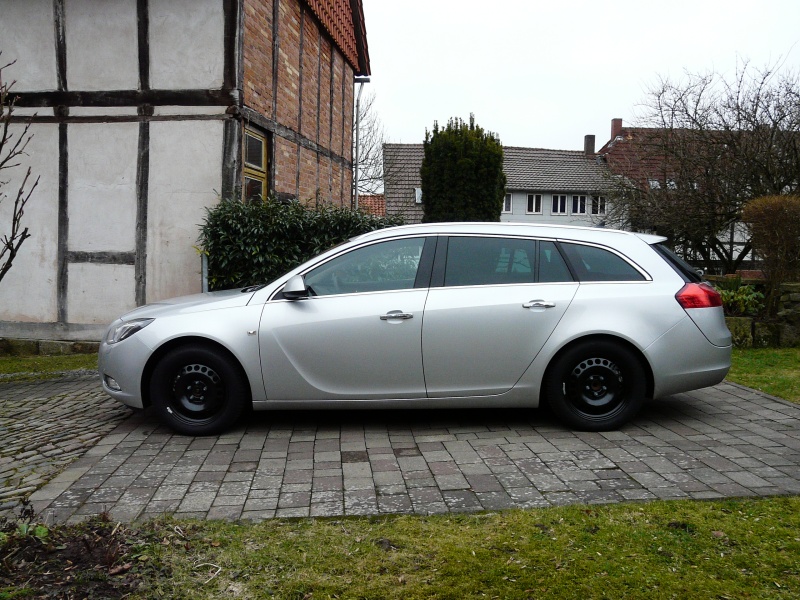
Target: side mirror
295, 288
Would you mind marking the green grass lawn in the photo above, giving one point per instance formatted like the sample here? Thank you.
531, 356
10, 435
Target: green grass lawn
775, 371
679, 549
16, 368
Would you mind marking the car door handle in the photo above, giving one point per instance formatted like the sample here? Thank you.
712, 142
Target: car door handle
396, 314
539, 304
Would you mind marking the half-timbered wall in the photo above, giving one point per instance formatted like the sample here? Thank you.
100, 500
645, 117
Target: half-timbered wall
299, 88
138, 111
128, 103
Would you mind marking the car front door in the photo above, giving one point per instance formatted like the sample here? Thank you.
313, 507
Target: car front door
495, 304
357, 336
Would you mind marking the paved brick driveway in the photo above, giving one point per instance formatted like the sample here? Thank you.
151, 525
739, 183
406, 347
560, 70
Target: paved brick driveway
720, 442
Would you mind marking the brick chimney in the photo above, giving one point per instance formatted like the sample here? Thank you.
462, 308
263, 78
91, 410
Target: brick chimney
616, 128
588, 145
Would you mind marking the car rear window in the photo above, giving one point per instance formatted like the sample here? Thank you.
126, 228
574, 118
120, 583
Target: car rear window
681, 267
489, 261
591, 263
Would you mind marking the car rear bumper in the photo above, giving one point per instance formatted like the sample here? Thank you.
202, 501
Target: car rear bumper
683, 359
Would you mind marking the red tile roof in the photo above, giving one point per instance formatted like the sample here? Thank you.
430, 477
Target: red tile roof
344, 22
373, 204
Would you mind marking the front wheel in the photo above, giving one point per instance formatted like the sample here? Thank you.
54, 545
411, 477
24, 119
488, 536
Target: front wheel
596, 386
197, 391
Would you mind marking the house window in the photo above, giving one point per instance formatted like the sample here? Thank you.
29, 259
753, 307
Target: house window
598, 205
507, 203
418, 195
534, 204
654, 184
255, 165
579, 205
559, 204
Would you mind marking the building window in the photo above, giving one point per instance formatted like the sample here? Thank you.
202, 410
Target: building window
579, 205
255, 165
507, 203
534, 204
559, 204
598, 205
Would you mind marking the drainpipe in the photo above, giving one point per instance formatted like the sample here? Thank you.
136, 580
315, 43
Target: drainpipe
360, 81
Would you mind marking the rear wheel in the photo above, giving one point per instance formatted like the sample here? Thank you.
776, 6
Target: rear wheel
596, 386
197, 391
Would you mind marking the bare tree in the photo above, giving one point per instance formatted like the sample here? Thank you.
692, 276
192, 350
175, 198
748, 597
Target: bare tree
371, 169
706, 147
12, 148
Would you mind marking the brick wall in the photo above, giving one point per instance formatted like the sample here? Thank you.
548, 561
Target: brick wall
304, 93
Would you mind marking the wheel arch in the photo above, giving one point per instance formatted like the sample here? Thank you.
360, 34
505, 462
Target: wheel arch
192, 342
645, 364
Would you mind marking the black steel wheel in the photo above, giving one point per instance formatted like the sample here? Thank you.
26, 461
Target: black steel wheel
596, 386
198, 391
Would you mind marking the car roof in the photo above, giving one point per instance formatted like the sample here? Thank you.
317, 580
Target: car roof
589, 234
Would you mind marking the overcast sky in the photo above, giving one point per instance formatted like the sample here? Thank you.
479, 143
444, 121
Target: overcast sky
545, 73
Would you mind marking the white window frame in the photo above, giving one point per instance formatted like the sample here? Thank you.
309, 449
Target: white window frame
579, 204
598, 205
534, 200
508, 204
561, 208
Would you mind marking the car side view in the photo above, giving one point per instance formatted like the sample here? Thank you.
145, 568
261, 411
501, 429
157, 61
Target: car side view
446, 315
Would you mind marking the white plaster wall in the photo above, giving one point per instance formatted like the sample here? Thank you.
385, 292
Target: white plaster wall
28, 291
519, 204
102, 47
185, 176
102, 186
27, 35
97, 294
186, 44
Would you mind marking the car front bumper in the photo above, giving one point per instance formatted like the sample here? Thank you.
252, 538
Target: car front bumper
121, 366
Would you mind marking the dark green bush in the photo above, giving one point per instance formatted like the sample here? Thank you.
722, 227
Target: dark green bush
774, 223
255, 242
462, 174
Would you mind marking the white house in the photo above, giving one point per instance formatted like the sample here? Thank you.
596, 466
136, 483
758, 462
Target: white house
543, 186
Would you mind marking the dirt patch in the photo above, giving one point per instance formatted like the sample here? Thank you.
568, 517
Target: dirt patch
96, 559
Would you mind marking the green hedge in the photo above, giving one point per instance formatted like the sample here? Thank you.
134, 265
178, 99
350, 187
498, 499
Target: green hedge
255, 242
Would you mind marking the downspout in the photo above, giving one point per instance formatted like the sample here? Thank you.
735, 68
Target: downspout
360, 81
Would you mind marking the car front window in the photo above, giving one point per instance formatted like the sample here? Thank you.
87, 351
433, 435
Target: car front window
390, 265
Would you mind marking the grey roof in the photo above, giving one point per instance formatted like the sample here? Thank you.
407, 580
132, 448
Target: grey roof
525, 168
554, 170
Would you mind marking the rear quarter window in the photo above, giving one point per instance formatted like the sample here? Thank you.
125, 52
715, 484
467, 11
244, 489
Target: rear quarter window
681, 267
591, 263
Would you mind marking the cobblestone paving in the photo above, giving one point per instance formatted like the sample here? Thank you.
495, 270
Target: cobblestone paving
46, 425
724, 441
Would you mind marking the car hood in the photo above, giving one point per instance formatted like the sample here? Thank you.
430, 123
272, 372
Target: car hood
191, 304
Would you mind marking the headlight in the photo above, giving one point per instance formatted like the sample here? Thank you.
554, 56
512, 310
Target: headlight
126, 330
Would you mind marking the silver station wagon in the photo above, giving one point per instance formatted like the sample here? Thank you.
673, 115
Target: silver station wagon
453, 315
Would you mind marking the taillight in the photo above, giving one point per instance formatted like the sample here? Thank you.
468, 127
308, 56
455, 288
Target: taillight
698, 295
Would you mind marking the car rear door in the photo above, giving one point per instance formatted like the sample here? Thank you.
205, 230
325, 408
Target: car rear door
493, 303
